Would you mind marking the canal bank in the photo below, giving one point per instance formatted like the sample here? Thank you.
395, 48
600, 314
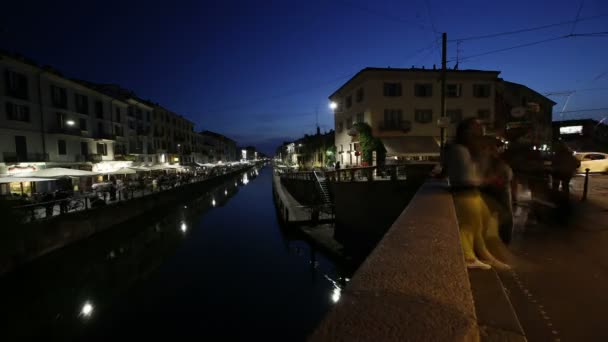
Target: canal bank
192, 270
36, 239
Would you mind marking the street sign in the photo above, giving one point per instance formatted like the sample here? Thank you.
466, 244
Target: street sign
518, 112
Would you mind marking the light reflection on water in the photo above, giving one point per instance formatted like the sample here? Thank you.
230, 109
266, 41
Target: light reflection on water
118, 275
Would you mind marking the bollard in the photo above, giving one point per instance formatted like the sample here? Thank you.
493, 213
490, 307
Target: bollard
586, 185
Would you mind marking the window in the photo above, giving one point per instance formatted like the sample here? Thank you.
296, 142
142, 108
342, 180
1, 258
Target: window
82, 104
423, 115
340, 126
61, 148
17, 112
360, 117
453, 90
99, 109
360, 95
130, 112
118, 130
131, 125
21, 147
118, 114
349, 123
102, 149
16, 85
84, 148
483, 114
100, 128
147, 116
59, 97
423, 90
60, 120
349, 101
481, 90
455, 115
392, 119
83, 124
138, 114
392, 89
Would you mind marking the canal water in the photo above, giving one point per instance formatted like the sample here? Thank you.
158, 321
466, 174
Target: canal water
218, 267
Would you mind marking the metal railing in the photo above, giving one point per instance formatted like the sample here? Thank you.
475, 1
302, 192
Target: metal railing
368, 173
104, 196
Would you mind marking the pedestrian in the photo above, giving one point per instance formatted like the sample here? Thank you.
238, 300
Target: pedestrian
497, 191
337, 166
563, 168
474, 218
49, 205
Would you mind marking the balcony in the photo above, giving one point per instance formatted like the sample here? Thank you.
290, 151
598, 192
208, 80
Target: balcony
404, 126
13, 157
67, 130
105, 136
94, 158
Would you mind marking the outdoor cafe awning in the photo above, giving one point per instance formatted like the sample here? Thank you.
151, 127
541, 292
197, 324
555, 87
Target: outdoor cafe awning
23, 179
410, 146
57, 172
121, 171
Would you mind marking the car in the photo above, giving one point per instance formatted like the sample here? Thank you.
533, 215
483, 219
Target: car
594, 161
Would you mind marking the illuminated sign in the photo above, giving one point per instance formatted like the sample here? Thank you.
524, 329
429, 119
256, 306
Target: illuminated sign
571, 130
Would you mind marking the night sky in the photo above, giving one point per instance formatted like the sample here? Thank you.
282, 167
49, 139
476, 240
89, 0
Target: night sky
258, 71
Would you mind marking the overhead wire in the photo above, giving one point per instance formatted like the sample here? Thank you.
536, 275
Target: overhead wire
578, 13
529, 29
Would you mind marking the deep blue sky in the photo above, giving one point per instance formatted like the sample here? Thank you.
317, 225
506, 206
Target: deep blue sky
257, 70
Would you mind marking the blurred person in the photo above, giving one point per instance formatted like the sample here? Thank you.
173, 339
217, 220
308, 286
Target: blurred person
497, 190
474, 218
563, 168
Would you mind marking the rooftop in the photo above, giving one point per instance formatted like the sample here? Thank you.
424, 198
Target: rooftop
412, 69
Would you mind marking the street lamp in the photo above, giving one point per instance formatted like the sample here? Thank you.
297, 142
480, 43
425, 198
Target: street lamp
333, 105
70, 122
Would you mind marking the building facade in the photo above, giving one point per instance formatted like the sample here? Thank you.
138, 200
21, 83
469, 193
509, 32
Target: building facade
402, 107
47, 119
217, 147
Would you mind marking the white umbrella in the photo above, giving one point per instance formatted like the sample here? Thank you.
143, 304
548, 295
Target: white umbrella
23, 179
56, 172
122, 171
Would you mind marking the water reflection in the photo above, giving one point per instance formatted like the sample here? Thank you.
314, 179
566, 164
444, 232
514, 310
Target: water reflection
115, 278
87, 309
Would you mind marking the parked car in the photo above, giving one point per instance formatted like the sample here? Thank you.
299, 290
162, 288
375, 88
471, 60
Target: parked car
594, 161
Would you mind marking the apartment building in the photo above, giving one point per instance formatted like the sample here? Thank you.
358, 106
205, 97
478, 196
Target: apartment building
174, 137
47, 118
218, 147
403, 106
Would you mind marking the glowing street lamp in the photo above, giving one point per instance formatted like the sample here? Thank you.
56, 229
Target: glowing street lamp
70, 122
333, 105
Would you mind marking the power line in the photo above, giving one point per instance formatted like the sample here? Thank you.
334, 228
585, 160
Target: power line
381, 14
583, 110
435, 32
512, 47
578, 13
529, 29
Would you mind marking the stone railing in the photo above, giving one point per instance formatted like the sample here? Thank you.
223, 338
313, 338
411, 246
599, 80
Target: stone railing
414, 286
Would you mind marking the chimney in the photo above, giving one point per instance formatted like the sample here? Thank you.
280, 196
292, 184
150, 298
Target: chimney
423, 67
434, 68
318, 130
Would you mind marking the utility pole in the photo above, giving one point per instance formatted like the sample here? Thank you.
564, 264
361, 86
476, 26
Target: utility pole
444, 38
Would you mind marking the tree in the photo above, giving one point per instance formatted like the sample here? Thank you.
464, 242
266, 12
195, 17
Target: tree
369, 144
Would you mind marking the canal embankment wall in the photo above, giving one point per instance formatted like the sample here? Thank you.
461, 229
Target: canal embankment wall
35, 239
414, 286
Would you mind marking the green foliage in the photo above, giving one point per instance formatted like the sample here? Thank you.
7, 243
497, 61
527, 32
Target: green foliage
369, 144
